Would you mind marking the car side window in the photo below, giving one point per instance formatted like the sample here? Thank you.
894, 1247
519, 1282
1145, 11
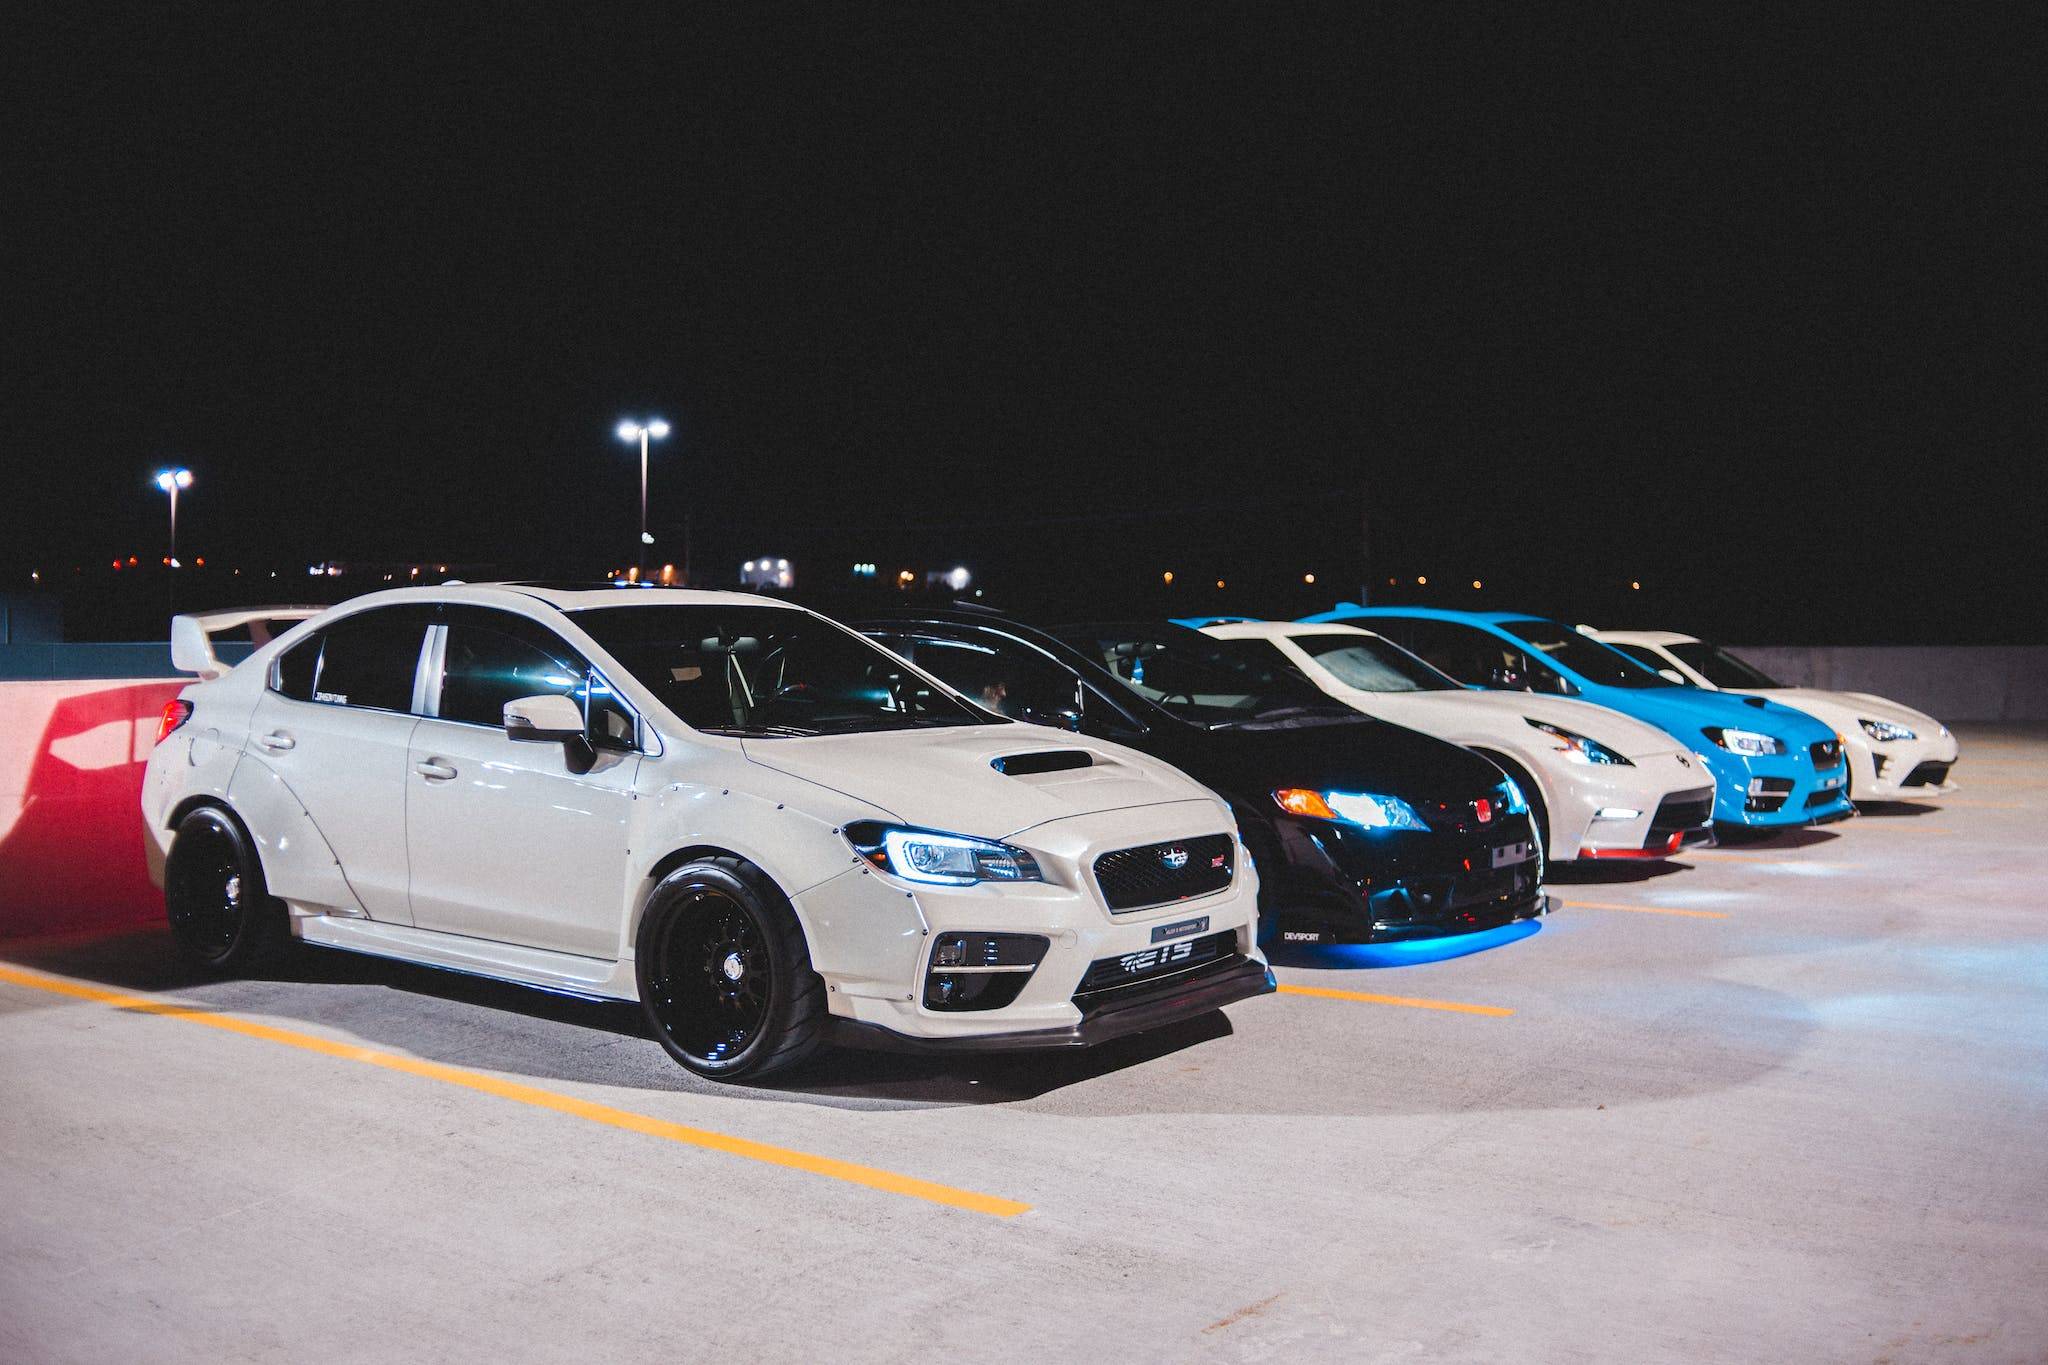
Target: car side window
486, 668
369, 660
491, 658
296, 667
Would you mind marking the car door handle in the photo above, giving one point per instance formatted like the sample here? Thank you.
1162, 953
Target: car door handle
432, 771
276, 740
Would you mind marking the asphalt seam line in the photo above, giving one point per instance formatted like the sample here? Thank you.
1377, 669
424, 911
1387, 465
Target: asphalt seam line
874, 1178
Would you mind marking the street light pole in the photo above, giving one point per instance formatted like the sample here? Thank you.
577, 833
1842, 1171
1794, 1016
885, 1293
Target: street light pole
629, 430
171, 480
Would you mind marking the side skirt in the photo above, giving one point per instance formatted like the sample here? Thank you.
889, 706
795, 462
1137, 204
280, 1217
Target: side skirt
591, 977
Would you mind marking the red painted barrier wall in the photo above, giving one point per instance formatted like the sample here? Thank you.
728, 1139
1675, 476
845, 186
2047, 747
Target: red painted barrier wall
71, 758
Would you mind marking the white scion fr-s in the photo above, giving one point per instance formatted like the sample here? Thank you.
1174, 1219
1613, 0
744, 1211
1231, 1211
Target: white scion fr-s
749, 819
1895, 753
1601, 784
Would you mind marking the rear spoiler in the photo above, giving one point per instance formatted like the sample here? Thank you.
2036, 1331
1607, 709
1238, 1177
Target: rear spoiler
192, 636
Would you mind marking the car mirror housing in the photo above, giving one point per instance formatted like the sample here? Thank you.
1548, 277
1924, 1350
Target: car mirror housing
549, 718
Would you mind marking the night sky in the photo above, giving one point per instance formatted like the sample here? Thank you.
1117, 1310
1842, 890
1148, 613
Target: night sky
1747, 307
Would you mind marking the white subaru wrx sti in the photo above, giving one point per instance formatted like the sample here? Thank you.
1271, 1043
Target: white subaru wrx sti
755, 822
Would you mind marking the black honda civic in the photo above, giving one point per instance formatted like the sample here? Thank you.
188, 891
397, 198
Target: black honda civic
1361, 830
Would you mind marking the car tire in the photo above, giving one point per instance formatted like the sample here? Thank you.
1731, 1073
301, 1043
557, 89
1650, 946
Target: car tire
725, 976
222, 915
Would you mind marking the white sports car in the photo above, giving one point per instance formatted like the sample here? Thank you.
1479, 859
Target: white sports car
1601, 784
753, 821
1895, 753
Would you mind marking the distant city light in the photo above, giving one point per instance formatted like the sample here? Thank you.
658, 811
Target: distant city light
1635, 586
1219, 582
1308, 578
174, 478
957, 578
1475, 582
629, 432
864, 570
1167, 576
1422, 580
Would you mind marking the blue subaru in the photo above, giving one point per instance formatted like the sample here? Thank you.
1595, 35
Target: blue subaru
1772, 765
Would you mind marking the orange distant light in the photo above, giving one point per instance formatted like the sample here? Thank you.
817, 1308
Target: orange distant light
1219, 582
1308, 578
1475, 582
1635, 586
1167, 576
1422, 580
1302, 801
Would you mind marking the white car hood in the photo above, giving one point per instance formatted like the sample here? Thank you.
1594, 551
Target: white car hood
1843, 709
943, 778
1625, 735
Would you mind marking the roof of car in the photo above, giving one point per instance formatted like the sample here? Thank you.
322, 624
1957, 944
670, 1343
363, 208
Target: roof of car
574, 597
1280, 630
1645, 637
1345, 611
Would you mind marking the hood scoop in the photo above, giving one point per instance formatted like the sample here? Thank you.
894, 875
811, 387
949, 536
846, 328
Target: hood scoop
1758, 702
1044, 761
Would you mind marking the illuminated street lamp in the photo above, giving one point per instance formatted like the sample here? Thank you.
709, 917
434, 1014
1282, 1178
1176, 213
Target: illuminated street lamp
629, 432
171, 480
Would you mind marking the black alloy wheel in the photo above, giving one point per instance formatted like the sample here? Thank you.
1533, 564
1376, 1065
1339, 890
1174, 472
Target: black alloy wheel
725, 977
221, 913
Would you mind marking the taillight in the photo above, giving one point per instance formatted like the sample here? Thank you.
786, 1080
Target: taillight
176, 713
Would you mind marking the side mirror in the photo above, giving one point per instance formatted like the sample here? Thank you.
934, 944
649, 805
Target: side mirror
548, 719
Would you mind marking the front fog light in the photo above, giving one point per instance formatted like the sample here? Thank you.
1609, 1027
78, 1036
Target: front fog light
1616, 813
981, 971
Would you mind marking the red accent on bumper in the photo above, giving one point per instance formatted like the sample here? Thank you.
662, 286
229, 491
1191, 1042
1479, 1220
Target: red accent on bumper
1669, 849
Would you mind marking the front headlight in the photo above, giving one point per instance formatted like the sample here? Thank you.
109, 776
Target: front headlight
1577, 748
1884, 730
938, 859
1744, 741
1368, 809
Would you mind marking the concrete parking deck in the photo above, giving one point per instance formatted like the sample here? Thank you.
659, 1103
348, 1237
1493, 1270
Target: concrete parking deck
1782, 1101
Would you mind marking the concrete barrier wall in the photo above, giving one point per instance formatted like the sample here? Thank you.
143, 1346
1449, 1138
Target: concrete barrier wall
71, 759
1949, 682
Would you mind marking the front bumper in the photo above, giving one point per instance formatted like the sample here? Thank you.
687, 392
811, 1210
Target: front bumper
1664, 791
1333, 883
1136, 1009
885, 990
1901, 770
1775, 791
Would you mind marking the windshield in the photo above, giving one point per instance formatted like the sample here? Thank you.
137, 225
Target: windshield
1721, 668
1197, 679
1587, 657
767, 671
1371, 664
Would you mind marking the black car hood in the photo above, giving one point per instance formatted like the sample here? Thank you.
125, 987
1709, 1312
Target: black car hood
1361, 756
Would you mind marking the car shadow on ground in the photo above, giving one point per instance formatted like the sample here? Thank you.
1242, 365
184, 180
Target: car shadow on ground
1769, 840
511, 1028
1610, 872
1895, 810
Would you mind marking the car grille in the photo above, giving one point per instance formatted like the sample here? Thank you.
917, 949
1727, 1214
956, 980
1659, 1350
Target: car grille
1826, 754
1927, 775
1462, 817
1160, 874
1159, 961
1679, 813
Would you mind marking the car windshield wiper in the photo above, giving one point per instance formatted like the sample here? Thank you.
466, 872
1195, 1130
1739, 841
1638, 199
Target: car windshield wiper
1312, 709
760, 731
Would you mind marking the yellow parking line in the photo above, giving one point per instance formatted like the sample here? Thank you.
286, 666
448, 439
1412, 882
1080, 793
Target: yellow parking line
873, 1178
1646, 909
1326, 993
